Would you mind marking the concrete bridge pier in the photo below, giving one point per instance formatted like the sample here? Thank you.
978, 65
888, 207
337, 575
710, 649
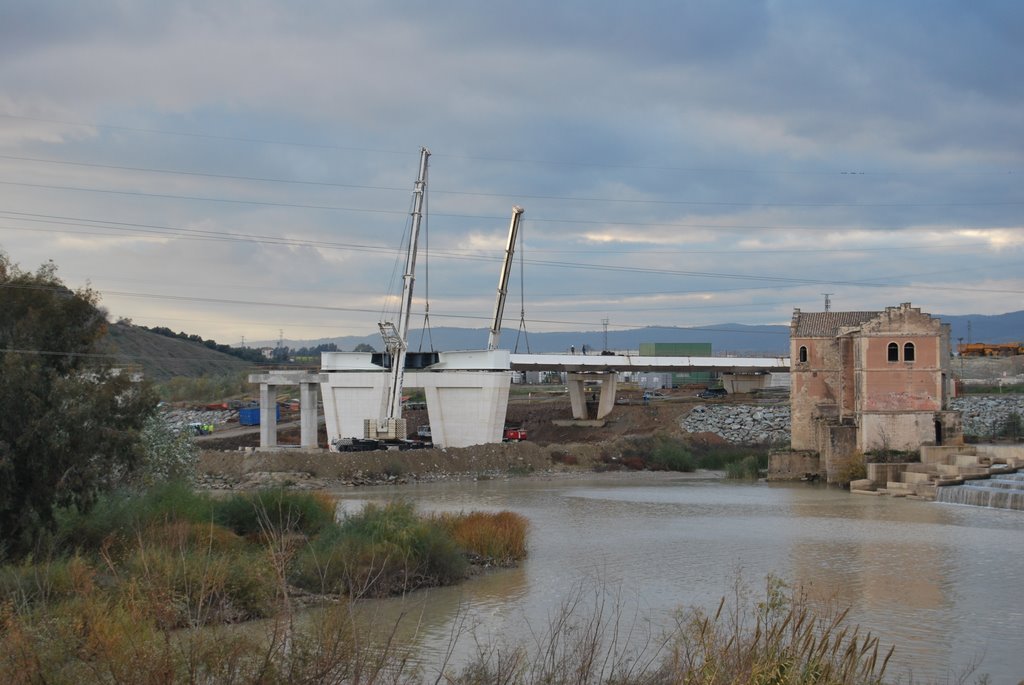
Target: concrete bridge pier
576, 382
352, 397
308, 383
465, 407
466, 393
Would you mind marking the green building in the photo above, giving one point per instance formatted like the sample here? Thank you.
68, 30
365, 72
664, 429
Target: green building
681, 349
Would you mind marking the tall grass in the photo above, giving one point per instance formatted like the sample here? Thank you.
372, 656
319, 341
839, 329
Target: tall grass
493, 539
148, 580
782, 639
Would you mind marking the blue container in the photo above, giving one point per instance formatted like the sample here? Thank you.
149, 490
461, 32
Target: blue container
250, 416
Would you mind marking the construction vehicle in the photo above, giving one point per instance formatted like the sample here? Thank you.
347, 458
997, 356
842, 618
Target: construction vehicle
990, 349
513, 434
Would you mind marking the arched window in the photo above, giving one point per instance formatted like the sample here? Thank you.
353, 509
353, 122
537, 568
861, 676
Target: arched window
894, 352
803, 354
908, 352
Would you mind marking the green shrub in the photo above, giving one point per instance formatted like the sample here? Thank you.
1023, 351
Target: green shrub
279, 511
380, 551
119, 516
747, 468
671, 455
29, 582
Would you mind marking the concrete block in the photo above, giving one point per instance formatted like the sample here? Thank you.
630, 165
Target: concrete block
910, 477
943, 454
861, 484
925, 490
897, 489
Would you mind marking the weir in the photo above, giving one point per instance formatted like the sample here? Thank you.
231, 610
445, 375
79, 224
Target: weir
1003, 491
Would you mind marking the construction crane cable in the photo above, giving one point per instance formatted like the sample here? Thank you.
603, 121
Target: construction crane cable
426, 277
522, 299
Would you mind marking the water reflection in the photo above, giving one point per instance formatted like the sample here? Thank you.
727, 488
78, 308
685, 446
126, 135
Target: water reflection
931, 578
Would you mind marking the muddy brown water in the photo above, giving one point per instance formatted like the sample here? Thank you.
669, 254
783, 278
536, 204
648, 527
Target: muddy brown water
941, 582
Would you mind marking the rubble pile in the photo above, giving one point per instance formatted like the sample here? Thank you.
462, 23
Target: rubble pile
743, 424
986, 415
983, 416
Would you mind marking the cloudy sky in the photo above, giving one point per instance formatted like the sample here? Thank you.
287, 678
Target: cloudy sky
244, 169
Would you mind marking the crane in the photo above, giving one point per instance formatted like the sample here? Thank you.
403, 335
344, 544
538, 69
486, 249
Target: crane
391, 425
506, 268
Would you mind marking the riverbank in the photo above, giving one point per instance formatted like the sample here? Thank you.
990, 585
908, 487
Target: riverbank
315, 469
319, 469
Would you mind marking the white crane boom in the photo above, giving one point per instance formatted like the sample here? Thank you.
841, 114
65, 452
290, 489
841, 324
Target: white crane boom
506, 268
396, 338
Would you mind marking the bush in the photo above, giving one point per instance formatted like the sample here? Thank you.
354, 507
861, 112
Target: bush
118, 517
492, 538
277, 511
380, 551
170, 455
748, 468
671, 455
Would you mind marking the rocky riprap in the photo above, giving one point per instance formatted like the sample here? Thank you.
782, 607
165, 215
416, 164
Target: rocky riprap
743, 424
984, 416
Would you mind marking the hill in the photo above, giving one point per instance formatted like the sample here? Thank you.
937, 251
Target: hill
729, 338
725, 339
162, 358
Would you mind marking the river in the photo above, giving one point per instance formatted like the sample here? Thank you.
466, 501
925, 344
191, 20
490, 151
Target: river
941, 582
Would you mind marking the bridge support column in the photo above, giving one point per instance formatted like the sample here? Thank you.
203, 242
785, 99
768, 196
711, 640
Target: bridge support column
268, 415
350, 398
269, 383
307, 414
464, 407
577, 393
607, 401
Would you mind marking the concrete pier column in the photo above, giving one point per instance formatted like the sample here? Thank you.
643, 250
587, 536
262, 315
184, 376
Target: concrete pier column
609, 381
268, 415
350, 398
269, 383
465, 407
308, 414
574, 382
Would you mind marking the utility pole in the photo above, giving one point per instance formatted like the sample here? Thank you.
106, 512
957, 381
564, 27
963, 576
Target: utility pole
604, 322
960, 351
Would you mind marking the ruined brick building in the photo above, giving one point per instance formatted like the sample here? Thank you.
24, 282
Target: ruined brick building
866, 381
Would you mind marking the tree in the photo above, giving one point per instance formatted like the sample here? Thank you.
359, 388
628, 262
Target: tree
69, 422
364, 347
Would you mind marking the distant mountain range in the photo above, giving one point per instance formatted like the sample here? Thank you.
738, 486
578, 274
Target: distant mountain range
725, 339
163, 357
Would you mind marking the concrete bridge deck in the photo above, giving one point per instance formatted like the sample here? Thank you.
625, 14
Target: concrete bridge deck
625, 363
467, 391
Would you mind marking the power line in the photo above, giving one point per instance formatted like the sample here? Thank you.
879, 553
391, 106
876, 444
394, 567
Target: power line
686, 203
530, 196
518, 160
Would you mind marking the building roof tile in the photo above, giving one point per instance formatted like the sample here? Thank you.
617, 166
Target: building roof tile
827, 324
